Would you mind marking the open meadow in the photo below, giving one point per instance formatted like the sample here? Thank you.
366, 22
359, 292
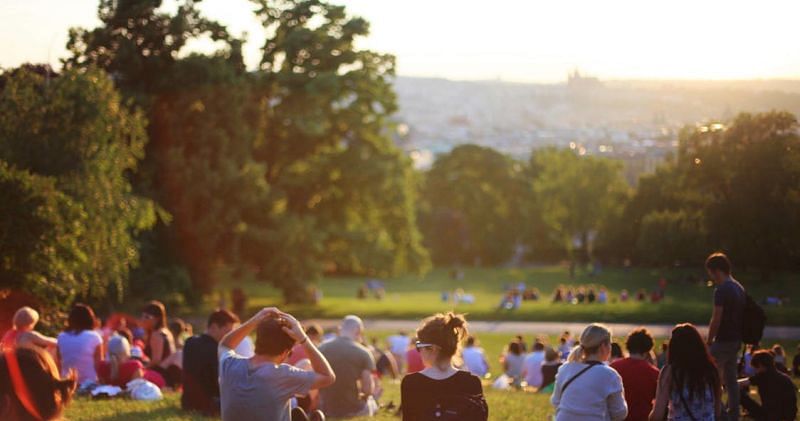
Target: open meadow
688, 298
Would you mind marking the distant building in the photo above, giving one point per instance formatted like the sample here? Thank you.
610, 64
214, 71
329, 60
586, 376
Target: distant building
575, 80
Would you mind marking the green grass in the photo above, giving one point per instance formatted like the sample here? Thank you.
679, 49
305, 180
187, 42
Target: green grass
503, 405
414, 297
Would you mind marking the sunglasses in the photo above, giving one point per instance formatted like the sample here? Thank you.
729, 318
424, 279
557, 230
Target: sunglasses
421, 345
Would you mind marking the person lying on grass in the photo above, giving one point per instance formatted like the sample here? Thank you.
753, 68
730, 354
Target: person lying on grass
261, 387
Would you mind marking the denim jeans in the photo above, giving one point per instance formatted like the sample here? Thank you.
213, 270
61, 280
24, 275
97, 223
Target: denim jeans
726, 354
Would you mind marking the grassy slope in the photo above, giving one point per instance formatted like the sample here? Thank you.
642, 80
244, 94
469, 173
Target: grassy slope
411, 298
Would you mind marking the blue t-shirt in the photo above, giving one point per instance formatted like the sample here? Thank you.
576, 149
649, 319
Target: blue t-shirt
731, 297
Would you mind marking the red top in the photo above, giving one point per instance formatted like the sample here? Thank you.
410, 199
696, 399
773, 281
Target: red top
414, 361
640, 380
298, 353
126, 372
9, 339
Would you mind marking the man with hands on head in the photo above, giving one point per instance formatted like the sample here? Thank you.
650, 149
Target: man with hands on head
261, 387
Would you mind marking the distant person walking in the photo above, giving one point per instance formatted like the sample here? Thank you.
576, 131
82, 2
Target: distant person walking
725, 329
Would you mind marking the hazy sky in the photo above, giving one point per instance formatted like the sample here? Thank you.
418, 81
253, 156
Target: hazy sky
517, 40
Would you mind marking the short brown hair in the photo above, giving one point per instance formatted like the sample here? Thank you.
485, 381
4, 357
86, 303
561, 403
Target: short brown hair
48, 391
221, 317
271, 339
719, 261
446, 331
763, 358
639, 341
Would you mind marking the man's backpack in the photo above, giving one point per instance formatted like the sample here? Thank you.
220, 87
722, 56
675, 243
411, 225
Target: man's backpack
460, 408
753, 321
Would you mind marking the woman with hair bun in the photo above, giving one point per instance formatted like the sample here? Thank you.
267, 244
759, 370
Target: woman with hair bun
586, 388
31, 387
441, 391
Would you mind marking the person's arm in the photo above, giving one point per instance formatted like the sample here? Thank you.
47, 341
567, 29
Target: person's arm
41, 340
232, 339
156, 347
659, 411
615, 402
325, 376
367, 385
99, 352
713, 326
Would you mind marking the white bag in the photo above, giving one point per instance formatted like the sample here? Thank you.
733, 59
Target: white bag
143, 390
502, 383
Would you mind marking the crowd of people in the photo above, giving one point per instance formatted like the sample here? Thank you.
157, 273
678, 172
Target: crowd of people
292, 372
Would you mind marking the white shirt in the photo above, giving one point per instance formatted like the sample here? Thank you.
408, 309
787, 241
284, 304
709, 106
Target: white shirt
398, 344
246, 348
596, 395
475, 361
533, 368
77, 352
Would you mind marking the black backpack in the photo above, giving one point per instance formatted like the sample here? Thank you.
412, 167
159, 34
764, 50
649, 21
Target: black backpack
753, 321
460, 408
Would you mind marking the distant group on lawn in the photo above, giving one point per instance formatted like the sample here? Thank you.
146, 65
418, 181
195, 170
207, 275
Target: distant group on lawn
295, 372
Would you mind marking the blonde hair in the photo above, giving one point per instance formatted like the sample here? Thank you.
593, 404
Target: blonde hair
592, 338
119, 350
25, 317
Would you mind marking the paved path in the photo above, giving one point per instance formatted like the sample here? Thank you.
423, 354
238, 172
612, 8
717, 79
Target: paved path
550, 328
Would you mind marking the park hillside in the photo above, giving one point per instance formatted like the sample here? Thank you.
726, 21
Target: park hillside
140, 171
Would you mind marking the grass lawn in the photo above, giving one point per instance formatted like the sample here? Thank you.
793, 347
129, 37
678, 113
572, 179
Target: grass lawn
416, 297
503, 405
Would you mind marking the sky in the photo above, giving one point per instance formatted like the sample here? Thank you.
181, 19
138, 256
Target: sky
511, 40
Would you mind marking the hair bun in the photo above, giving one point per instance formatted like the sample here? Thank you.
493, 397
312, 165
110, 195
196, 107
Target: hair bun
455, 321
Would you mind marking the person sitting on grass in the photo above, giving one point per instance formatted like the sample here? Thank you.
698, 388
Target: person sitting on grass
442, 389
261, 387
120, 367
639, 376
586, 388
532, 370
776, 390
550, 368
200, 364
514, 363
354, 366
474, 358
31, 387
160, 343
689, 386
22, 334
80, 347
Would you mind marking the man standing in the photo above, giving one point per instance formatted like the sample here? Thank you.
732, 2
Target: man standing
353, 365
200, 379
725, 329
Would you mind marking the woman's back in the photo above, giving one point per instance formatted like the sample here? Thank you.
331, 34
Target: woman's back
77, 351
421, 394
594, 394
682, 404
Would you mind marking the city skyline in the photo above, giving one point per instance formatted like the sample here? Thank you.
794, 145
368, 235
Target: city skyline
534, 42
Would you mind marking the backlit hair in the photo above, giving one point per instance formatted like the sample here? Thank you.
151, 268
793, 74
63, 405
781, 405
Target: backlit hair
47, 391
594, 336
25, 317
447, 331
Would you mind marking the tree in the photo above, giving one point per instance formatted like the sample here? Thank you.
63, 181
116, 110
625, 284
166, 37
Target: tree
74, 131
749, 177
256, 167
577, 196
471, 206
